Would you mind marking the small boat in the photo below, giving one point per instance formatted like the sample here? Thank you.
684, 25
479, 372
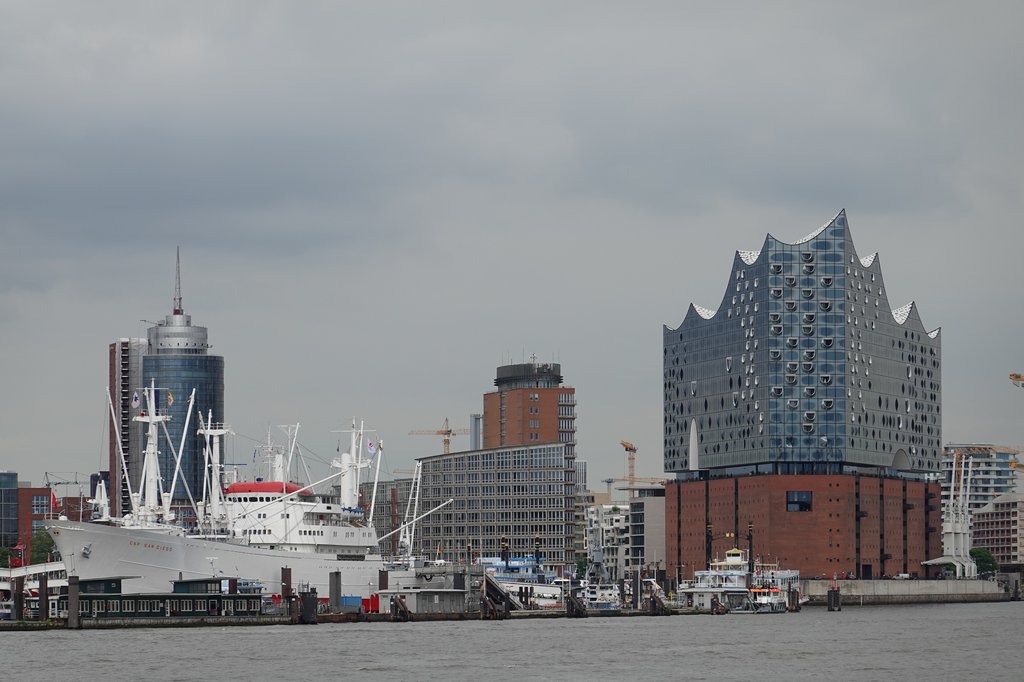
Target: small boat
535, 585
728, 586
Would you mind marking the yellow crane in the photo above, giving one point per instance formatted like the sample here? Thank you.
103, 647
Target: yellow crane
630, 464
446, 432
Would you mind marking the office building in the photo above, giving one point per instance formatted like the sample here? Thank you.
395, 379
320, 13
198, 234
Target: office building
530, 406
8, 508
804, 369
647, 530
997, 528
175, 358
126, 434
24, 509
522, 493
992, 471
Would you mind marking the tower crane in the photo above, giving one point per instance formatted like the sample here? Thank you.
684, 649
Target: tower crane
630, 462
446, 432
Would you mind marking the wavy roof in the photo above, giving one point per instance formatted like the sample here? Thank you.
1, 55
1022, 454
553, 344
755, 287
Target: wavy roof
750, 257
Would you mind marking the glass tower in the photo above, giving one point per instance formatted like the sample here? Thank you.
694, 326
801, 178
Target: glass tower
804, 368
177, 360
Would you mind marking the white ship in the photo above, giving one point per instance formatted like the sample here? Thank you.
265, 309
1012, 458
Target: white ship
728, 586
248, 530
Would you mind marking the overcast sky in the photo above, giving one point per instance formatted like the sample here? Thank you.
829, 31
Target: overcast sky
379, 203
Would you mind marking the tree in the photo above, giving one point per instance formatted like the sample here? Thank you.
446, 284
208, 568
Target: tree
987, 564
581, 566
42, 545
5, 557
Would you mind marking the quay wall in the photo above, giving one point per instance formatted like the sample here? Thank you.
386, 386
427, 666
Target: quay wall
876, 592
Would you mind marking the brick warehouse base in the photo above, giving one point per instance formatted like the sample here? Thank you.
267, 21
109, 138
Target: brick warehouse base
819, 524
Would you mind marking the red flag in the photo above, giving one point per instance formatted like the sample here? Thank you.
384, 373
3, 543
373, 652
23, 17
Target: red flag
53, 502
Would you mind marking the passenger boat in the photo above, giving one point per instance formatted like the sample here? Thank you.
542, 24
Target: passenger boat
246, 530
728, 586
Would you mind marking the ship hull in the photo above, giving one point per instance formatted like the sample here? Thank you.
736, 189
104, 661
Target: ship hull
155, 558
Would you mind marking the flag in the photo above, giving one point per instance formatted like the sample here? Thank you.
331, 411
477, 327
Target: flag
53, 502
371, 447
170, 398
135, 400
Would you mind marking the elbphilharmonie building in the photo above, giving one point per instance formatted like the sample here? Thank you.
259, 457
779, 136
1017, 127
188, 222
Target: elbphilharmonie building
805, 367
808, 407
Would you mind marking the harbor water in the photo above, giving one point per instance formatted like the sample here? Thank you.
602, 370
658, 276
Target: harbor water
921, 642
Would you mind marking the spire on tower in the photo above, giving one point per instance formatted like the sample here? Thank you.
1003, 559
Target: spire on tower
177, 283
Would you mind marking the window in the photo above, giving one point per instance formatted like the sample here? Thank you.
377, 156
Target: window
40, 504
798, 500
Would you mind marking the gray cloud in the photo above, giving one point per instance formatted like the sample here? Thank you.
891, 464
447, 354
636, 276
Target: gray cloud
379, 204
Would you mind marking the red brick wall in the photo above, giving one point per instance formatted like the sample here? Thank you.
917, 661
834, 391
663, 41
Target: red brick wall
517, 416
819, 542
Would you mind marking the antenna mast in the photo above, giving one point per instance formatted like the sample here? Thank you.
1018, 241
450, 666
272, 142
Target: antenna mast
177, 281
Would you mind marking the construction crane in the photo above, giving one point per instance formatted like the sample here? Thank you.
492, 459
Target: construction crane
1017, 379
446, 432
631, 481
630, 461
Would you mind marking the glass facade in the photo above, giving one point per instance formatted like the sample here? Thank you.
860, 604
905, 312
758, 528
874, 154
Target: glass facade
8, 509
179, 374
804, 368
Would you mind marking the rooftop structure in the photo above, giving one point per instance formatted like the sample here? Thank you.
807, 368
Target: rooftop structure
805, 367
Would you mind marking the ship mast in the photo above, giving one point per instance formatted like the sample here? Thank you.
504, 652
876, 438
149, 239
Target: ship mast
146, 501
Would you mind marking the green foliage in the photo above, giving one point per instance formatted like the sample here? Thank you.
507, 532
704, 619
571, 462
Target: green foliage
5, 557
42, 545
987, 564
581, 566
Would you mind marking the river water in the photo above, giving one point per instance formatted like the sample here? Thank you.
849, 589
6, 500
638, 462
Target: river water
924, 642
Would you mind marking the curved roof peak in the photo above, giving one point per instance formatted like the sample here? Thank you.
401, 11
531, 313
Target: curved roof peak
706, 313
749, 257
902, 313
866, 261
821, 229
